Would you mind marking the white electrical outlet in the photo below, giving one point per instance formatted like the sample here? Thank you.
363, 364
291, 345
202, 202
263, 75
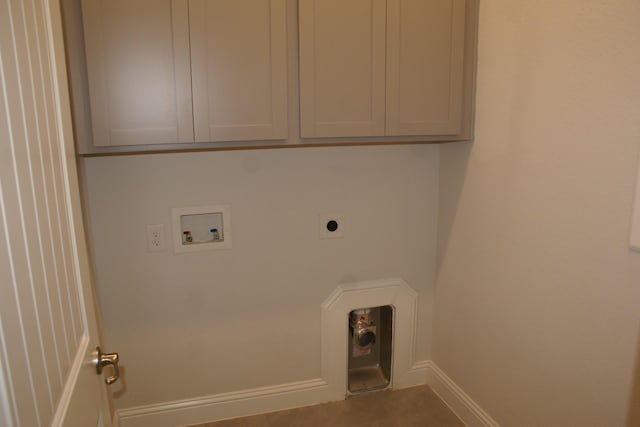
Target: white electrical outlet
155, 238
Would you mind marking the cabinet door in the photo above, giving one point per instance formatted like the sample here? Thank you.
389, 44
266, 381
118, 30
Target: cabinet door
425, 60
138, 68
342, 67
239, 68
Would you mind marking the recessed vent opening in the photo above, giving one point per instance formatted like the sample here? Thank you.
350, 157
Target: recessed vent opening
370, 344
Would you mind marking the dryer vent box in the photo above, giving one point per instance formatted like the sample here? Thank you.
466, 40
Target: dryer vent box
370, 347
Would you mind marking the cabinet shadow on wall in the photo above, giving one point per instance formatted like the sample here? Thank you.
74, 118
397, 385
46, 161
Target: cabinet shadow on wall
454, 159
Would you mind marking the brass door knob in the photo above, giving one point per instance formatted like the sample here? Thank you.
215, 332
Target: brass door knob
105, 359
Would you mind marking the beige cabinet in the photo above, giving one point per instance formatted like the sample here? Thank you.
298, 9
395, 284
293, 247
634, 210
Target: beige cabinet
381, 67
138, 71
425, 66
239, 68
184, 71
201, 74
342, 67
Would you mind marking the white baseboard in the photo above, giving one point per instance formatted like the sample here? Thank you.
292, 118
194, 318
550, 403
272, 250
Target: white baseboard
456, 399
226, 405
292, 395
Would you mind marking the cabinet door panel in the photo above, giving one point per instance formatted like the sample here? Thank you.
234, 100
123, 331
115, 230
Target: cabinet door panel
425, 60
342, 67
138, 67
239, 61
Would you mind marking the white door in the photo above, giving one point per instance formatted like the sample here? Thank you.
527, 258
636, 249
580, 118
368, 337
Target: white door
48, 328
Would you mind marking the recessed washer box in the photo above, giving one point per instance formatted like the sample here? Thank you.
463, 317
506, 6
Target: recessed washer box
202, 228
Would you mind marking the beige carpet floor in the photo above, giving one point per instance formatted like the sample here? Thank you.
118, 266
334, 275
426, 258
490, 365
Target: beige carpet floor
410, 407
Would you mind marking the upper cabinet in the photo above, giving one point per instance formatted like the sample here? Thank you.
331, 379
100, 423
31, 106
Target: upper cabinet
342, 67
381, 67
176, 71
239, 68
139, 72
425, 67
186, 74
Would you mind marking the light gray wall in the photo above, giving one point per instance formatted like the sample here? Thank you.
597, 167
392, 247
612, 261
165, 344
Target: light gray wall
538, 295
199, 324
